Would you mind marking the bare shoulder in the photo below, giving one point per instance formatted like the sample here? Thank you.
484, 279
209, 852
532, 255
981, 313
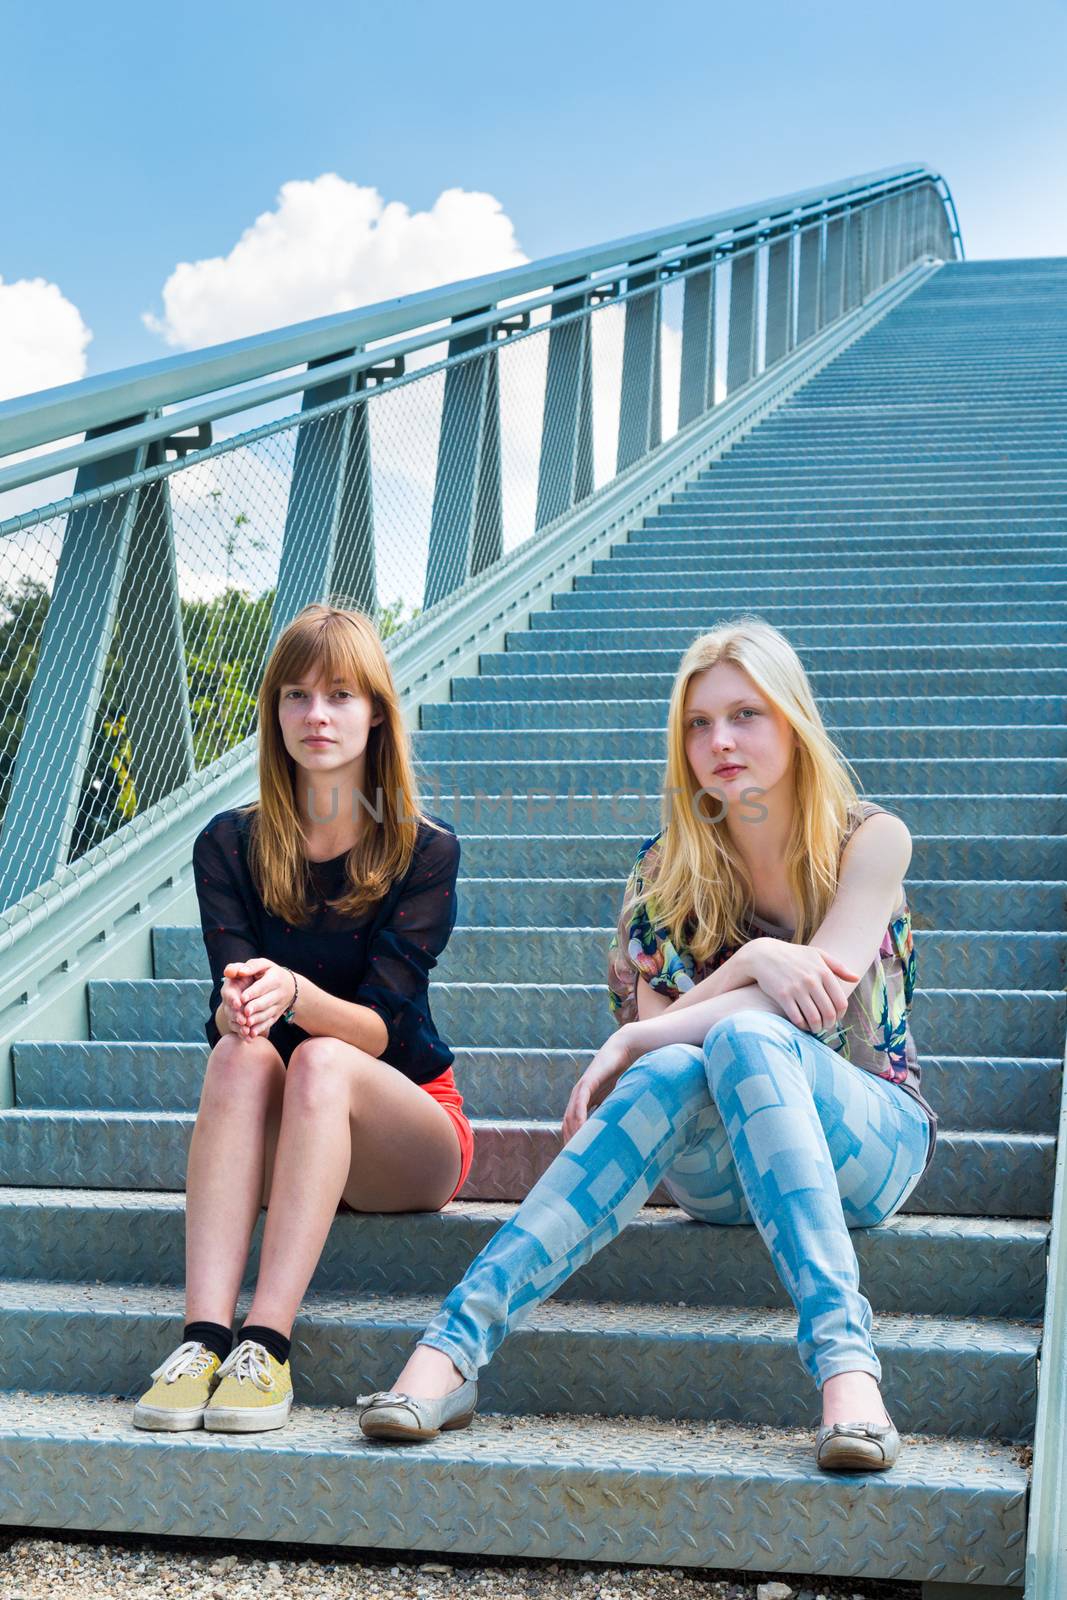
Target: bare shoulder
882, 840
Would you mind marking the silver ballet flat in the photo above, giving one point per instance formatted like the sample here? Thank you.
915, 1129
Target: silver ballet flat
390, 1414
857, 1447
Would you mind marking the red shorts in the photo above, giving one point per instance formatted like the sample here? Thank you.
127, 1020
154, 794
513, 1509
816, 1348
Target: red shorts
446, 1094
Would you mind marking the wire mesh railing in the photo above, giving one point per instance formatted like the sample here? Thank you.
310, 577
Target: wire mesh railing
137, 613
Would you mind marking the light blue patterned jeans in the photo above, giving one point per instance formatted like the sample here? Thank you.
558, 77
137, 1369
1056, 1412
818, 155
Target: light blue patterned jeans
765, 1124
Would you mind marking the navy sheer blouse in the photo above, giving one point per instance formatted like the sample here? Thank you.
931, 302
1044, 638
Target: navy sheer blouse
381, 959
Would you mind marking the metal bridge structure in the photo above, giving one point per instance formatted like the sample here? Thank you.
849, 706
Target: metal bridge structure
542, 484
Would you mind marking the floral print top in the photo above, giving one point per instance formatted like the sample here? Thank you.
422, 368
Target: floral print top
874, 1033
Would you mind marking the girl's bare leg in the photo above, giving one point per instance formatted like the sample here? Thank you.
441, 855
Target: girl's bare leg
352, 1127
233, 1139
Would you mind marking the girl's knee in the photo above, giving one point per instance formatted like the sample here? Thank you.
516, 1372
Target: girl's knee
673, 1075
242, 1070
317, 1079
670, 1063
739, 1040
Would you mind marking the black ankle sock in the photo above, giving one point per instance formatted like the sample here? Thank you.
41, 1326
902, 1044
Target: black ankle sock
269, 1338
213, 1334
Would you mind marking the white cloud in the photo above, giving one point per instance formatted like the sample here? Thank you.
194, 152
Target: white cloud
330, 245
42, 337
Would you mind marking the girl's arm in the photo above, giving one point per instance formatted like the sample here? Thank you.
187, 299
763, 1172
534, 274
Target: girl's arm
872, 869
318, 1012
385, 1015
689, 1024
732, 974
226, 920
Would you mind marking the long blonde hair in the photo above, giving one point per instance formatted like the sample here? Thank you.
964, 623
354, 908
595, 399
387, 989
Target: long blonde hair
325, 641
702, 889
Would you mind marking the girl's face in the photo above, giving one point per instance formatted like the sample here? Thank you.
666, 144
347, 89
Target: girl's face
325, 728
728, 723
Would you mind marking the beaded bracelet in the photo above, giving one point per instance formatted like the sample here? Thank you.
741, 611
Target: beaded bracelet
287, 1016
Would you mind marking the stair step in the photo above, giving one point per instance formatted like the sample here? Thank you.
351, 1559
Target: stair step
946, 1376
613, 1489
558, 633
946, 816
1023, 655
912, 1264
606, 778
952, 816
987, 712
869, 516
835, 580
982, 959
732, 477
577, 1016
567, 744
1027, 493
581, 610
516, 684
593, 902
1017, 1094
672, 595
986, 1173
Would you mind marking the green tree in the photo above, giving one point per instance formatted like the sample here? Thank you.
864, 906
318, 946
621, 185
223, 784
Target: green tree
225, 642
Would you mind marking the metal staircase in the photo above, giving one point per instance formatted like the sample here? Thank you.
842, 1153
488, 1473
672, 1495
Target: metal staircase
901, 516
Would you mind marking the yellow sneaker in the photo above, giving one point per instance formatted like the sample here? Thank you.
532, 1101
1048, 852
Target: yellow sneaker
254, 1391
178, 1398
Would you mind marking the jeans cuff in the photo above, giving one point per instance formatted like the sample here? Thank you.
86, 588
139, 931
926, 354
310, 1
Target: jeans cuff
455, 1355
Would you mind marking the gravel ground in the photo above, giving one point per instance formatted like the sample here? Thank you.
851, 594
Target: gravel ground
80, 1567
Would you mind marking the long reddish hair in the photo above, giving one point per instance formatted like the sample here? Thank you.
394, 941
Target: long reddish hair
328, 643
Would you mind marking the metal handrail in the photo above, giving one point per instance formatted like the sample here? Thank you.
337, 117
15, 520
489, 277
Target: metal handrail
682, 263
325, 373
36, 419
390, 488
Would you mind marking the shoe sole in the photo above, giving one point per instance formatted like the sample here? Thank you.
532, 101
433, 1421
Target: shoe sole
393, 1430
247, 1419
851, 1461
162, 1421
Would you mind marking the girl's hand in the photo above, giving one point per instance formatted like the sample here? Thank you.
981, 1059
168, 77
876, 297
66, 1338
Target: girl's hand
231, 992
598, 1080
803, 979
267, 989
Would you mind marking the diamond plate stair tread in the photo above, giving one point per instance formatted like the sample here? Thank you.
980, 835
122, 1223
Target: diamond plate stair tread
582, 776
990, 1173
577, 1016
565, 745
984, 711
637, 1490
570, 608
658, 657
913, 1264
1009, 1093
562, 685
948, 817
977, 959
947, 1376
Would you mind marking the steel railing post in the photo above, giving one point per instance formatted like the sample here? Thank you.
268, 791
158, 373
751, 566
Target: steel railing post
741, 350
779, 335
58, 717
639, 399
565, 469
466, 524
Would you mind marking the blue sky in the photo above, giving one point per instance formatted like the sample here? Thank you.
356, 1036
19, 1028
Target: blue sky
146, 138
